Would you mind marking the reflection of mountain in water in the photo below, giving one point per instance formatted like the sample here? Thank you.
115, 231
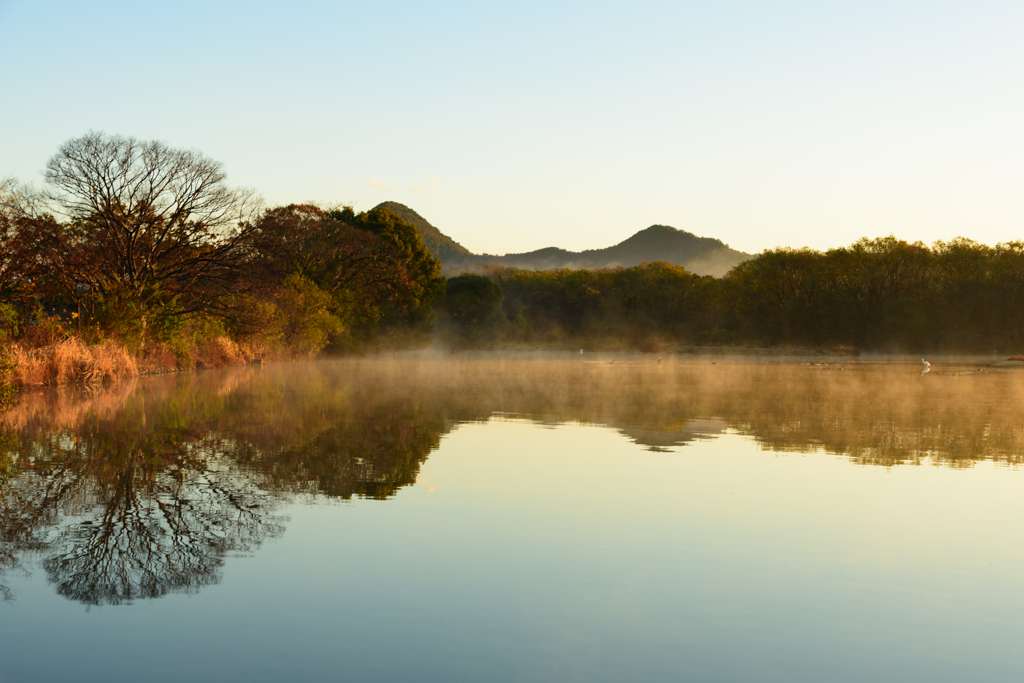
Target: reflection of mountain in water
143, 490
666, 439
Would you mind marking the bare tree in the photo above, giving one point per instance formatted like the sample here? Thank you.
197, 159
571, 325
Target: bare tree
148, 224
20, 259
18, 199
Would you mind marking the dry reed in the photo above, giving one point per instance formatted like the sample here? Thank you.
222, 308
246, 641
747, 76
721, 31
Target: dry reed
71, 362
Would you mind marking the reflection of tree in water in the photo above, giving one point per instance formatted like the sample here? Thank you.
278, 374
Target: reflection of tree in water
371, 454
380, 420
874, 414
884, 415
311, 429
173, 538
113, 526
11, 528
142, 491
149, 498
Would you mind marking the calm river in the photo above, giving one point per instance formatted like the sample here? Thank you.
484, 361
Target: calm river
567, 519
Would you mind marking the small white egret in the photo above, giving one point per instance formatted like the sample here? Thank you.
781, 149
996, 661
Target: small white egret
581, 352
925, 363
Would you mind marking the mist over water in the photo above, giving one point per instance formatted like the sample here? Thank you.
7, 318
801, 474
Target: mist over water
878, 411
528, 518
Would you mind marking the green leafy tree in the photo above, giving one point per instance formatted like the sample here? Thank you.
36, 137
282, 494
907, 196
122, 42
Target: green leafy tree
306, 315
374, 266
403, 314
471, 309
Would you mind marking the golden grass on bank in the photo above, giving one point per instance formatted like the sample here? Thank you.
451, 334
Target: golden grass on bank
220, 351
215, 352
71, 362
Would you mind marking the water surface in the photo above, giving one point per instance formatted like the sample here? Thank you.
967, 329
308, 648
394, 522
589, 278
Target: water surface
526, 520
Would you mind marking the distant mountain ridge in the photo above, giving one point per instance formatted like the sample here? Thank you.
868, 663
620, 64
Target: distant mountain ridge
700, 255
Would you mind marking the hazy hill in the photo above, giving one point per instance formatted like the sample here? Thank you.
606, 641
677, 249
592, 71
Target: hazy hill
701, 255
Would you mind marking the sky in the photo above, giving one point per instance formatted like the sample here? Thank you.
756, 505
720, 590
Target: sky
516, 126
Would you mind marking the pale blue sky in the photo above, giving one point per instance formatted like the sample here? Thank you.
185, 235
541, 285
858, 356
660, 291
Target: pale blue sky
574, 124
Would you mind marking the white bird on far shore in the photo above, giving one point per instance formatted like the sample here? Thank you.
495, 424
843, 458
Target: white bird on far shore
925, 363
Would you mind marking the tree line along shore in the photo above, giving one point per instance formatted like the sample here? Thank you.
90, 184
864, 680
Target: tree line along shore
137, 257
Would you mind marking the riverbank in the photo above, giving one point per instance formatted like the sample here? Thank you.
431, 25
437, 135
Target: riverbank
72, 361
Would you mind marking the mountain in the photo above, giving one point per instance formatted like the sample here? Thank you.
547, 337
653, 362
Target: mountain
700, 255
440, 245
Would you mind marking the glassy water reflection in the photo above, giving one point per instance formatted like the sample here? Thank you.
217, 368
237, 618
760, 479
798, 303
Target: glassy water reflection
538, 520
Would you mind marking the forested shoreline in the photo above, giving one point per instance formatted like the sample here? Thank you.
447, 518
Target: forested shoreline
880, 294
136, 257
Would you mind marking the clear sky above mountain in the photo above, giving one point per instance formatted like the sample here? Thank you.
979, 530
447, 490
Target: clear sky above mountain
513, 126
